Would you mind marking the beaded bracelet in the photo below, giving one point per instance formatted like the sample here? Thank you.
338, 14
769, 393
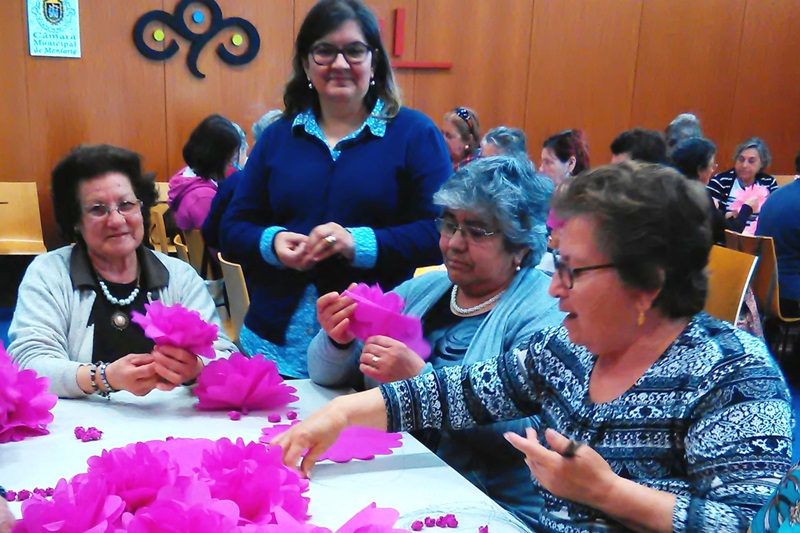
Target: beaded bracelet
109, 388
2, 493
93, 374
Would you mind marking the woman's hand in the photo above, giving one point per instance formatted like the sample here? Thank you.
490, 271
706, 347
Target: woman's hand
584, 478
290, 248
176, 366
334, 312
7, 519
386, 360
135, 373
330, 239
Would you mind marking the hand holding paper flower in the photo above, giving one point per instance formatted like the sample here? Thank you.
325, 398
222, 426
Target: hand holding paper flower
755, 195
177, 326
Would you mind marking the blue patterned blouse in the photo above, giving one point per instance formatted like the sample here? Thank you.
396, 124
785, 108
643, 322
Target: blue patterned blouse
709, 421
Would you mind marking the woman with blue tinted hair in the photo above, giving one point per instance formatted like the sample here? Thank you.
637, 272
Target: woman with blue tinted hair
492, 235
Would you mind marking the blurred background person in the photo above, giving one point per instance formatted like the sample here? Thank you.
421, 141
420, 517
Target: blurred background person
684, 126
462, 133
564, 155
505, 141
639, 144
338, 190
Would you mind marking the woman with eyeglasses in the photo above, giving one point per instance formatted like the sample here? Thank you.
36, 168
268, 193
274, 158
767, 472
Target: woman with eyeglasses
654, 415
72, 322
491, 298
337, 190
462, 133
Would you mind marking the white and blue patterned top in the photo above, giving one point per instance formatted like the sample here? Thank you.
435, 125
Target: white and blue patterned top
709, 421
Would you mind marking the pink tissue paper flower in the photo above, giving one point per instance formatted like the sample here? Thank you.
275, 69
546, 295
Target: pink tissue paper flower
242, 383
25, 403
756, 192
379, 313
177, 326
82, 505
354, 443
372, 519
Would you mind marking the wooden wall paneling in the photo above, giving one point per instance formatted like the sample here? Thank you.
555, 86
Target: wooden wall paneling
767, 102
15, 133
239, 93
488, 43
688, 54
110, 95
582, 65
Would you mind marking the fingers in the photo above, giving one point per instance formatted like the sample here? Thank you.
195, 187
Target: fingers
523, 444
561, 444
176, 365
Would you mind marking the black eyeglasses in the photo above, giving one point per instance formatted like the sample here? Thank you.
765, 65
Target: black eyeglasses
124, 208
471, 234
464, 114
567, 275
325, 54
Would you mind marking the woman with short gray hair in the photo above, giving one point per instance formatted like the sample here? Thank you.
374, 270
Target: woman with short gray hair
504, 141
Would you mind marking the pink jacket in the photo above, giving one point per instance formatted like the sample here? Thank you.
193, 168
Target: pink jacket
192, 196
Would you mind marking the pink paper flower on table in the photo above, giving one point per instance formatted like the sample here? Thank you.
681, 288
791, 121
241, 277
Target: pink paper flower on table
242, 383
177, 326
76, 506
354, 443
284, 523
25, 403
379, 313
373, 519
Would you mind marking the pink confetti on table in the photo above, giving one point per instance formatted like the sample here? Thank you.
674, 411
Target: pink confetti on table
274, 418
234, 415
291, 415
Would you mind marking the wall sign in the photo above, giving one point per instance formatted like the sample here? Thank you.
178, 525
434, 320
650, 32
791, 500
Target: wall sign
54, 28
177, 22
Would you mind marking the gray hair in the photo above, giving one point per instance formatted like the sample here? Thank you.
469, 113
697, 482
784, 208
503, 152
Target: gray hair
262, 123
510, 141
684, 126
243, 146
760, 146
509, 192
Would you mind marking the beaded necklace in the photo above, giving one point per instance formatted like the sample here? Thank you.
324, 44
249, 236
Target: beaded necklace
475, 308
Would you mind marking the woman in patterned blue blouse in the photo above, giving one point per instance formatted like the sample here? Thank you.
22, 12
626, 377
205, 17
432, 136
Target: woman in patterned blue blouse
655, 416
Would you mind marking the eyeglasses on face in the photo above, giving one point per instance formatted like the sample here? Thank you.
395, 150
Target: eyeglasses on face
567, 275
124, 208
325, 54
471, 234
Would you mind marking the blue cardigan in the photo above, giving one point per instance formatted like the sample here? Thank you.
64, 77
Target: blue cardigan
291, 180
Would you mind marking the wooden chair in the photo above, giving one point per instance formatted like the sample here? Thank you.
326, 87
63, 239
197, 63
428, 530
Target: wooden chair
163, 191
785, 179
197, 247
181, 250
20, 221
728, 278
765, 281
238, 296
158, 230
424, 270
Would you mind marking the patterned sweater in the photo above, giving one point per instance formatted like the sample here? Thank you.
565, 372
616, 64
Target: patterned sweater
709, 421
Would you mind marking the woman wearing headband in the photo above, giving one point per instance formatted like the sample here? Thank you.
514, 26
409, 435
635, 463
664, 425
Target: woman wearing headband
462, 133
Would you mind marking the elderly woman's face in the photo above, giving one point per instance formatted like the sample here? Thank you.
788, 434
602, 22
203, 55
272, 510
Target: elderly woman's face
748, 164
553, 167
113, 236
478, 263
602, 311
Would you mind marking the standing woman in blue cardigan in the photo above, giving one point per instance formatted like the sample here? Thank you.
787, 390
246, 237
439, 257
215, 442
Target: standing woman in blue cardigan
338, 190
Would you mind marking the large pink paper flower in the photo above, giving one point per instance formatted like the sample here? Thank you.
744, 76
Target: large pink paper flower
25, 403
373, 519
354, 443
379, 313
239, 382
135, 473
255, 478
754, 192
177, 326
83, 505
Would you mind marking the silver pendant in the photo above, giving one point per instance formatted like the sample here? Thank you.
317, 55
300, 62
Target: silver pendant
120, 320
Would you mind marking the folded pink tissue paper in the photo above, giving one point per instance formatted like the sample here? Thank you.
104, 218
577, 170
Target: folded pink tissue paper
379, 313
174, 325
25, 403
242, 383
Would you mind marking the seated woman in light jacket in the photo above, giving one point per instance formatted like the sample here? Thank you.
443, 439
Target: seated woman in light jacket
72, 322
492, 235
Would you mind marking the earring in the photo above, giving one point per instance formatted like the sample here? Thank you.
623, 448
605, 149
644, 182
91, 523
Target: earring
640, 320
309, 85
518, 268
372, 81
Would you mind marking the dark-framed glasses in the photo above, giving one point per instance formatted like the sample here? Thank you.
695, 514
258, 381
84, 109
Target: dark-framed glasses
567, 275
124, 208
325, 54
471, 234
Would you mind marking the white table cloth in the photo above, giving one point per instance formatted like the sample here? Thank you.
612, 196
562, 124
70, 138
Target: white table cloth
412, 480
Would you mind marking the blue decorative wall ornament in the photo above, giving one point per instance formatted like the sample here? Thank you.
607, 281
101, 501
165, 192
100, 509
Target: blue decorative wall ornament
177, 22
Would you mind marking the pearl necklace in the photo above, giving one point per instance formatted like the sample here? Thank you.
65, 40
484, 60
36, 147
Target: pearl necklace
116, 301
475, 308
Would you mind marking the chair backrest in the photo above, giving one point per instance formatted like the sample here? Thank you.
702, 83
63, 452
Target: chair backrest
729, 274
181, 250
20, 222
162, 188
238, 297
765, 280
197, 246
158, 229
784, 179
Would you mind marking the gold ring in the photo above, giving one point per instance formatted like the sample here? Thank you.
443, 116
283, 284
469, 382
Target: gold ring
374, 358
331, 240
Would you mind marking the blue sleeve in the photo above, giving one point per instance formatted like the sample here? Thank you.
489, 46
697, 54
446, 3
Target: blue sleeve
219, 205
